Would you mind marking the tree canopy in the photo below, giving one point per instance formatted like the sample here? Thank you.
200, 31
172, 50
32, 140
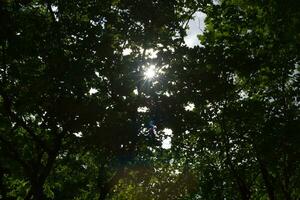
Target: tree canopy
105, 100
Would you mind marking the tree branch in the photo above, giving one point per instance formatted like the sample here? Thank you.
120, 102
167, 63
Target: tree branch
20, 122
14, 153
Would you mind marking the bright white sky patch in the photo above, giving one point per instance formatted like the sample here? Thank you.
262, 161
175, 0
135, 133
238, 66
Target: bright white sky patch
151, 53
243, 94
168, 131
189, 106
142, 109
79, 134
93, 91
150, 72
55, 10
168, 94
216, 2
126, 52
135, 91
196, 27
166, 143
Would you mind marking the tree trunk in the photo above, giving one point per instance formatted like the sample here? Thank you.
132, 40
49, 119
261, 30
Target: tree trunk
266, 178
38, 192
106, 187
104, 191
39, 176
242, 185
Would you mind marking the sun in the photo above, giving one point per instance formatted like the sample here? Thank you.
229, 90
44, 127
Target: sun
150, 72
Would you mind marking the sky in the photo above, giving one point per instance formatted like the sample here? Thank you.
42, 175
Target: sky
196, 27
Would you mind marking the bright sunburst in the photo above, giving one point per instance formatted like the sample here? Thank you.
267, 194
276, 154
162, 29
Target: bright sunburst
150, 72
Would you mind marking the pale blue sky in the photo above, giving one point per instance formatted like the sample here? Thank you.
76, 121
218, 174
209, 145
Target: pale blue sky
196, 27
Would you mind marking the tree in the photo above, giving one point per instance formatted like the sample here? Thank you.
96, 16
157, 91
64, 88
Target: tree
244, 122
55, 55
90, 90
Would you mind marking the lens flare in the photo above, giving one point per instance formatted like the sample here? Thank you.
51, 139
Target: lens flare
150, 72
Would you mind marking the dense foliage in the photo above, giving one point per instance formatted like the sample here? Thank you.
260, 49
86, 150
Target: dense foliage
82, 117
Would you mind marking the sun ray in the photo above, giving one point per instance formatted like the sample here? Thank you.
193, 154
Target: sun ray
150, 72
